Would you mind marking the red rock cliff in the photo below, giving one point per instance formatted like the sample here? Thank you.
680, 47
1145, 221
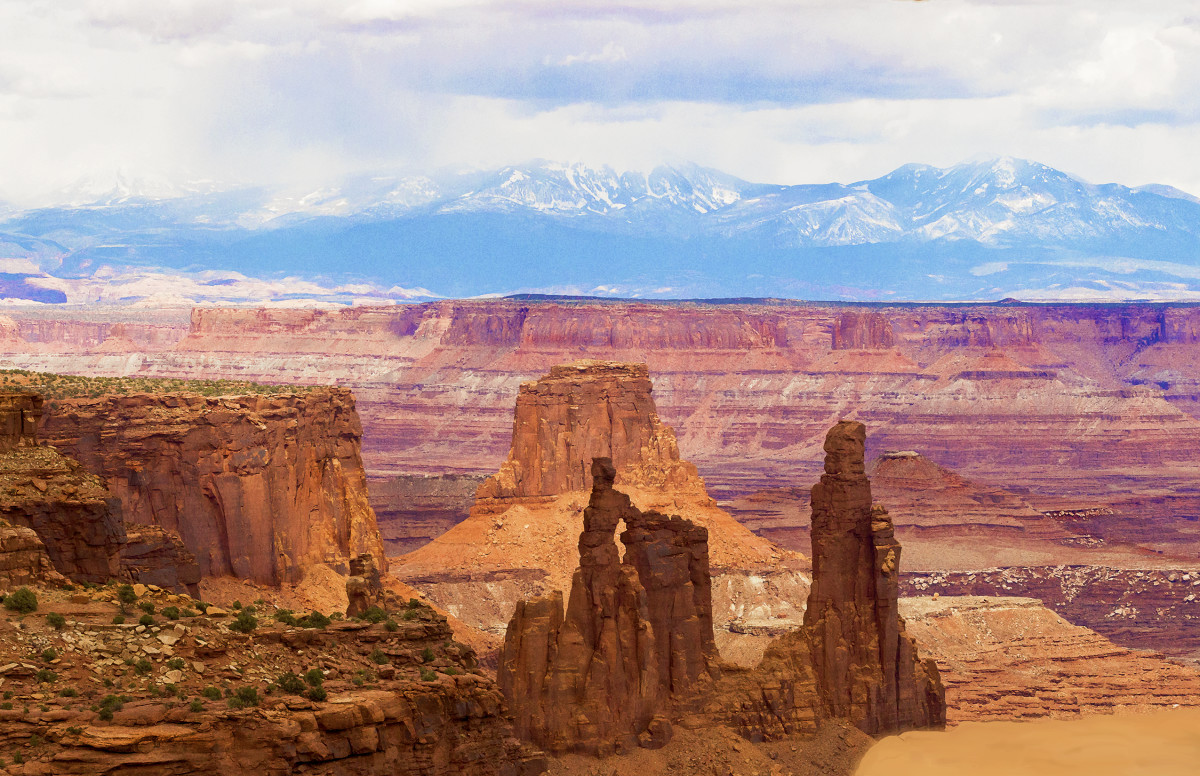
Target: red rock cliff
257, 486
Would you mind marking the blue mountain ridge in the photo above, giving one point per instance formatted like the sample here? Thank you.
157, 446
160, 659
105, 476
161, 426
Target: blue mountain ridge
981, 230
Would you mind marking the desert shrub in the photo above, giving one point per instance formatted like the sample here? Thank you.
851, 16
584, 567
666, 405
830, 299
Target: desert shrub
235, 703
317, 693
146, 619
189, 613
171, 612
409, 614
427, 655
125, 595
23, 601
212, 693
237, 604
68, 692
291, 683
285, 616
143, 667
147, 607
378, 657
56, 621
428, 675
196, 705
245, 622
49, 655
176, 664
314, 620
414, 603
373, 614
314, 677
247, 695
118, 619
45, 675
391, 626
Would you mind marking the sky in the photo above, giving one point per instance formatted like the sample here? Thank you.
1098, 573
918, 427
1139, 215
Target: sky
302, 93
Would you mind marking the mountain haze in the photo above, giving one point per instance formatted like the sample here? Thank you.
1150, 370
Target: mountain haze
979, 230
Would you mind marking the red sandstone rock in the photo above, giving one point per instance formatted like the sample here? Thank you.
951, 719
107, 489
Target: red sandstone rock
636, 635
865, 666
23, 558
153, 555
256, 486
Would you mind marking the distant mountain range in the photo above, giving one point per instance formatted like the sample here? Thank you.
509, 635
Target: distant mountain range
1000, 228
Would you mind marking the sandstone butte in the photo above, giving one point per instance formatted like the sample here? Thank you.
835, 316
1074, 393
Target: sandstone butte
256, 487
633, 652
519, 540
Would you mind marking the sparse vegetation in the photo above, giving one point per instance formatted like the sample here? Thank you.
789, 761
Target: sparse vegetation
49, 655
314, 620
196, 705
428, 675
390, 626
143, 667
317, 693
212, 693
147, 607
245, 622
176, 664
56, 621
22, 601
373, 614
314, 677
378, 657
118, 619
45, 676
285, 616
291, 683
146, 619
56, 386
427, 655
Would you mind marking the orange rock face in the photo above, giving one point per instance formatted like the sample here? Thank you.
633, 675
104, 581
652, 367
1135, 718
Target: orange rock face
636, 636
256, 486
23, 558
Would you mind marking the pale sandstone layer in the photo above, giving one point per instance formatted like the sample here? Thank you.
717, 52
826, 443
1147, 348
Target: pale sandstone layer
258, 487
520, 539
1163, 743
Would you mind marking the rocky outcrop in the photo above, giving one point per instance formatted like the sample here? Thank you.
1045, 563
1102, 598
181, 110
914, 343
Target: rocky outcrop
582, 411
364, 588
152, 555
520, 539
23, 558
258, 487
636, 635
865, 666
71, 511
862, 331
1012, 658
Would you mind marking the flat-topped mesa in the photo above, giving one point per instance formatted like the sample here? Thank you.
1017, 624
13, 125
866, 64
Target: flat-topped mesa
866, 667
636, 636
586, 410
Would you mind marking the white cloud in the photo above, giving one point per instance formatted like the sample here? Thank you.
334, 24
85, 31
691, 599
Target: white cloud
280, 90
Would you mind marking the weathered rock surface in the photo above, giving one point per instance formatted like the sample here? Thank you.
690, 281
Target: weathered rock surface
1012, 658
71, 511
23, 558
636, 636
413, 509
256, 486
153, 555
865, 666
520, 539
404, 699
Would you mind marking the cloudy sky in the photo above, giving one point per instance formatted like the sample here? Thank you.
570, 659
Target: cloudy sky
268, 91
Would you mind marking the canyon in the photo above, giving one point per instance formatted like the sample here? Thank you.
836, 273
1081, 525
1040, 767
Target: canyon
1077, 419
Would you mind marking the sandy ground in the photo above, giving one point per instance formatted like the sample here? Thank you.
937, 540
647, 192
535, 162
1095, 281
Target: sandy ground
1161, 743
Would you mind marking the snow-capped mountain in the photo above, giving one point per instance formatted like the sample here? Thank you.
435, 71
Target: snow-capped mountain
1003, 226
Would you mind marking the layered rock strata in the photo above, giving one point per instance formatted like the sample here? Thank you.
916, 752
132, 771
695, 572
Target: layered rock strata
636, 635
71, 510
520, 539
865, 665
152, 555
23, 558
257, 487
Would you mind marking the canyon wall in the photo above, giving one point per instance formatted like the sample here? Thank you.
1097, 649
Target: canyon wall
257, 487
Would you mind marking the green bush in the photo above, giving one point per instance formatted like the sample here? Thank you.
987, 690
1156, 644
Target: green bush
56, 621
428, 675
314, 620
126, 595
291, 683
409, 614
378, 657
247, 695
46, 675
176, 664
23, 601
427, 655
171, 612
118, 619
147, 607
196, 705
314, 677
372, 614
212, 693
245, 622
237, 604
49, 655
285, 616
189, 613
143, 667
414, 603
68, 692
146, 619
391, 626
317, 693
